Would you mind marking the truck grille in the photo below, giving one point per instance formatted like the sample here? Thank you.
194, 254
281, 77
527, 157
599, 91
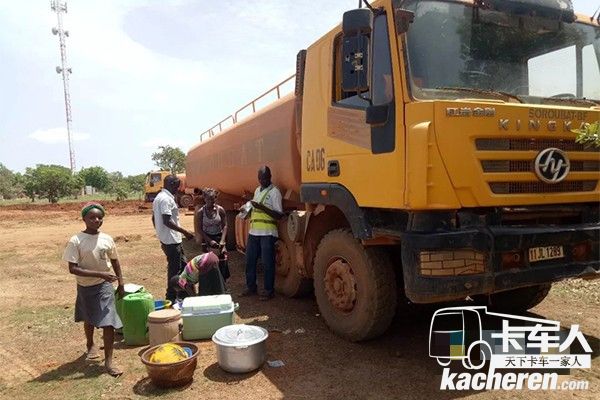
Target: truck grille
527, 166
541, 187
508, 166
531, 144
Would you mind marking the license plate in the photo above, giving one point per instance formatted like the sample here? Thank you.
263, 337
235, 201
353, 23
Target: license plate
545, 253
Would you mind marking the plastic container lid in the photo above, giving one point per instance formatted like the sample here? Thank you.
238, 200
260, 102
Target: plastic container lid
240, 335
139, 296
166, 315
132, 288
215, 304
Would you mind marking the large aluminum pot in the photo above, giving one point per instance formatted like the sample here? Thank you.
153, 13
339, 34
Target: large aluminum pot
241, 348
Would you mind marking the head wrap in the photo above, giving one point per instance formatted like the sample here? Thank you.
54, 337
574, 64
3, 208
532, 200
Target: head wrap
91, 205
199, 265
208, 261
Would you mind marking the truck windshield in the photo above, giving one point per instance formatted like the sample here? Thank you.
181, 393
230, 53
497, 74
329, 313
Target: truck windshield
458, 51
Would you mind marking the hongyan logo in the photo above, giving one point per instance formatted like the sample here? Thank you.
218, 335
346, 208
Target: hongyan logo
525, 353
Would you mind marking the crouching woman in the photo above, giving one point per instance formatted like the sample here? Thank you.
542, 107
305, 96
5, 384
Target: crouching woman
202, 270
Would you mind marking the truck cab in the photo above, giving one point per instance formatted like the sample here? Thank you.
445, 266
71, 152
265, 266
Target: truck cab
444, 132
154, 184
428, 154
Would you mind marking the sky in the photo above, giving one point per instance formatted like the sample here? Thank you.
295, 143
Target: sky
145, 73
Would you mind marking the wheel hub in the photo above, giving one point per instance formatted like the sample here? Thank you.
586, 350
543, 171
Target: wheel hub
340, 285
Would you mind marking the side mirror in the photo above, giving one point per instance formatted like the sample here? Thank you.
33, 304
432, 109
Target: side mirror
356, 26
403, 20
377, 115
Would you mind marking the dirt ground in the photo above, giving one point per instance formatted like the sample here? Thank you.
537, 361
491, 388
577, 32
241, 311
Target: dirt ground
41, 348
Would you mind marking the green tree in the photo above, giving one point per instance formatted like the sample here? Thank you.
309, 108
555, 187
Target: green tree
589, 134
136, 182
169, 159
50, 181
29, 184
19, 184
120, 190
77, 183
115, 179
7, 180
96, 177
116, 176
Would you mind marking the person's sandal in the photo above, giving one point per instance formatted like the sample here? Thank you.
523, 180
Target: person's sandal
248, 293
92, 354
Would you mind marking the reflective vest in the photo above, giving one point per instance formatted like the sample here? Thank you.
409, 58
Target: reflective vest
260, 219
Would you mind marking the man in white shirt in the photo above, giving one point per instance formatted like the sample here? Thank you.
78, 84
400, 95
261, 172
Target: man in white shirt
165, 218
267, 210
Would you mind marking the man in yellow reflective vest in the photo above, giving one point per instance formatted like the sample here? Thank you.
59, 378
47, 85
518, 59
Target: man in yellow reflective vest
266, 211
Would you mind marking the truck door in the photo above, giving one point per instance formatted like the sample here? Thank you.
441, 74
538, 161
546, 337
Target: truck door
362, 158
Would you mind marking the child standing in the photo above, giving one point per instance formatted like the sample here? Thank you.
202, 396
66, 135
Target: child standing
90, 255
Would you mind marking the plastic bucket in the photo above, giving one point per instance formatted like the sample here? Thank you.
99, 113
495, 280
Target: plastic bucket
161, 304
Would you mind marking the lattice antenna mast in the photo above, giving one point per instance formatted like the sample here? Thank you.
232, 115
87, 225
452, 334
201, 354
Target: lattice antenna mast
61, 7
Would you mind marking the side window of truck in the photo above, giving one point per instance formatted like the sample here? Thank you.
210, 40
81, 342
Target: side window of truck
552, 64
382, 90
563, 63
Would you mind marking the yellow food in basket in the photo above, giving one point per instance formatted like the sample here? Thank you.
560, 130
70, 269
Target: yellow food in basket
168, 353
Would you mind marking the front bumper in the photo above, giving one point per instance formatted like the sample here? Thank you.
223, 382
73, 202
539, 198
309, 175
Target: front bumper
493, 241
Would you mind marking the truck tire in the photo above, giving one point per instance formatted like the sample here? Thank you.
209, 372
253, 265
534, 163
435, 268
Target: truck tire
288, 280
355, 286
519, 300
186, 201
230, 238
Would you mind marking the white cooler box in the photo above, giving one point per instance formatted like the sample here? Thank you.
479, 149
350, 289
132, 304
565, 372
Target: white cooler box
203, 315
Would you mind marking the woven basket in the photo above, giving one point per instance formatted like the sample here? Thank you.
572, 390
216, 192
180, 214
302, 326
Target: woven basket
174, 374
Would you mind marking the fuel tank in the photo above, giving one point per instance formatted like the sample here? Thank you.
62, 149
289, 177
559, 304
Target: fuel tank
229, 161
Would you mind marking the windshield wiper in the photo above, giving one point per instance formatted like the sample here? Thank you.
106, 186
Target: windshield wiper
496, 93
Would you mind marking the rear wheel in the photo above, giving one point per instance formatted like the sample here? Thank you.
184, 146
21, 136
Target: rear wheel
519, 300
186, 201
288, 281
355, 286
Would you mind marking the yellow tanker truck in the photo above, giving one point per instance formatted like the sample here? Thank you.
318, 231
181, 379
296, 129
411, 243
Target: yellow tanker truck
427, 154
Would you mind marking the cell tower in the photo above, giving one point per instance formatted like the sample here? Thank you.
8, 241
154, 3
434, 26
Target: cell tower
59, 7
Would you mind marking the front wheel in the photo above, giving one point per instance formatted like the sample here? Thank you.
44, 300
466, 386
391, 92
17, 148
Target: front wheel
355, 286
